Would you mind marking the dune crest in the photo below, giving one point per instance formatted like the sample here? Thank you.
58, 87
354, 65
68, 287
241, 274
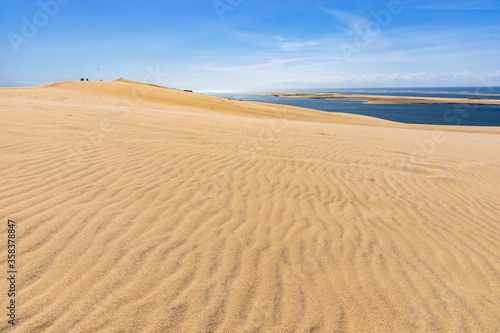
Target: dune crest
143, 208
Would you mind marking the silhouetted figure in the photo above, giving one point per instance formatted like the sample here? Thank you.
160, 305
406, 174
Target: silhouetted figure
82, 79
87, 80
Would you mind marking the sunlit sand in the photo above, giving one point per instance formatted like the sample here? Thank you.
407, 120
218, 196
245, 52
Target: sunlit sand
141, 208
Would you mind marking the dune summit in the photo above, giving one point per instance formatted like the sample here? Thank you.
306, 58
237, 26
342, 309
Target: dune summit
143, 208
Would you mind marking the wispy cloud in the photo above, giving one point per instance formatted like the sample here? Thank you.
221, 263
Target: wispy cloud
287, 44
393, 78
354, 22
272, 63
281, 39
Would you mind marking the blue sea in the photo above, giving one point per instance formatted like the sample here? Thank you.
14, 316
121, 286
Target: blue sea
434, 114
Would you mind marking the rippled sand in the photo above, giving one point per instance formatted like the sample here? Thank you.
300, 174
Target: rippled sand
140, 208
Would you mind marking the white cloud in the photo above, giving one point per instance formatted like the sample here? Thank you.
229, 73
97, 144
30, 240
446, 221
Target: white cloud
287, 44
353, 21
281, 39
295, 46
272, 63
394, 78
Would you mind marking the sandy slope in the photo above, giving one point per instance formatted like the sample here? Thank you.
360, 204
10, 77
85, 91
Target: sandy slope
142, 208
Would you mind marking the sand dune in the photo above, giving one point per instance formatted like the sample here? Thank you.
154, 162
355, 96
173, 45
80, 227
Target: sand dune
141, 208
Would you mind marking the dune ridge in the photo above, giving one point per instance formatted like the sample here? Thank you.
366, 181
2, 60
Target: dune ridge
142, 208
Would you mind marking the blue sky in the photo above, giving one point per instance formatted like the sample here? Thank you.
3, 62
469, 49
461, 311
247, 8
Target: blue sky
252, 45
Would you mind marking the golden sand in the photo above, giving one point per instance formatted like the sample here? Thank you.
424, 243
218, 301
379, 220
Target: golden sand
141, 208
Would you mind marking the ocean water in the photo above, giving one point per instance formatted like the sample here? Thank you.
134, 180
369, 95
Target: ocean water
432, 114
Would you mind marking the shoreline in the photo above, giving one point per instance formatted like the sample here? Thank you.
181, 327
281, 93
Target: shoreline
158, 96
386, 99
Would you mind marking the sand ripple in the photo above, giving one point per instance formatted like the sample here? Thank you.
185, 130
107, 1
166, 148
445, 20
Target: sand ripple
184, 220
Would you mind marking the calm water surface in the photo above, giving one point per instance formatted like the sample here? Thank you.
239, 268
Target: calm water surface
434, 114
